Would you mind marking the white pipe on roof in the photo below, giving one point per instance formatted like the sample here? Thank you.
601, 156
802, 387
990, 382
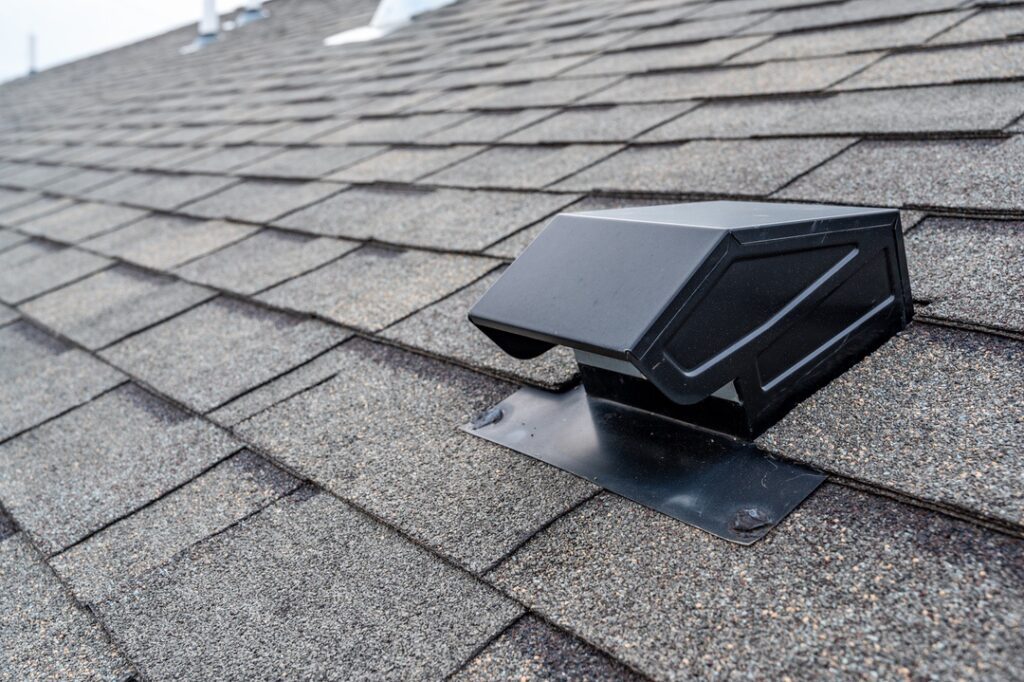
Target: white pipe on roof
209, 24
389, 16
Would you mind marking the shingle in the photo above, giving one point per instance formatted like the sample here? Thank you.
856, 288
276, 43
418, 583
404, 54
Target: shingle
99, 567
391, 130
80, 183
768, 78
692, 31
521, 167
384, 433
546, 93
7, 315
663, 58
901, 33
989, 24
372, 287
163, 241
259, 201
850, 585
111, 304
263, 260
404, 164
934, 414
740, 167
164, 192
75, 474
309, 162
970, 271
10, 198
37, 176
81, 221
222, 159
300, 132
452, 219
939, 109
10, 238
444, 330
956, 174
40, 207
57, 267
212, 353
849, 12
307, 588
979, 62
24, 252
533, 650
599, 124
242, 133
44, 635
43, 377
488, 126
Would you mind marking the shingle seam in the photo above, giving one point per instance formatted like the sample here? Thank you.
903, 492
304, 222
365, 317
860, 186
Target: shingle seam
106, 635
483, 646
213, 296
155, 500
871, 21
807, 171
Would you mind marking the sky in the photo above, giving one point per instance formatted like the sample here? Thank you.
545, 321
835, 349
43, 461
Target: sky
68, 29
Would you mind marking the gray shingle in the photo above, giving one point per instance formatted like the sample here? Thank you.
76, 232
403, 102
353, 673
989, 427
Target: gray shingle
599, 124
260, 201
267, 598
44, 635
767, 78
75, 474
309, 162
546, 93
392, 130
40, 207
53, 269
935, 414
300, 132
969, 271
372, 287
212, 353
850, 585
741, 167
443, 218
488, 126
111, 304
42, 377
900, 33
222, 159
404, 165
956, 174
990, 24
80, 183
521, 167
848, 12
691, 31
384, 433
97, 568
263, 260
662, 58
533, 650
11, 199
978, 62
81, 221
163, 241
443, 329
951, 108
10, 238
37, 176
7, 315
164, 192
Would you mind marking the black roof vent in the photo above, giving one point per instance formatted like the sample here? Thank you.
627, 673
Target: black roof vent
722, 314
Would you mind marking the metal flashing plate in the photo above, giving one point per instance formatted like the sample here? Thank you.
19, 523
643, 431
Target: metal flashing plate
727, 487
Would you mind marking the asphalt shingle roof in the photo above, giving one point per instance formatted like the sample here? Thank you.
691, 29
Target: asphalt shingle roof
234, 357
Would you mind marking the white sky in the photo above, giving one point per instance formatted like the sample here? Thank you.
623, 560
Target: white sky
68, 29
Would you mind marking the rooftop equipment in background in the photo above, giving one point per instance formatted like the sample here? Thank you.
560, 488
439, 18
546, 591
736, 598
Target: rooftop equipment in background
690, 319
209, 28
253, 11
389, 16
